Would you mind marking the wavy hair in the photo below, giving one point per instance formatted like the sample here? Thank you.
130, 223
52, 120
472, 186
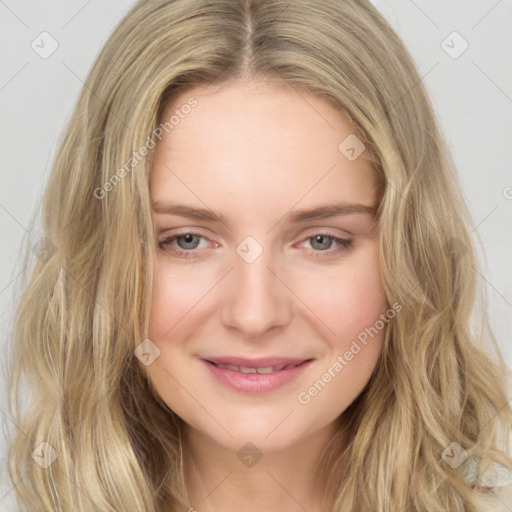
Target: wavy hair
86, 303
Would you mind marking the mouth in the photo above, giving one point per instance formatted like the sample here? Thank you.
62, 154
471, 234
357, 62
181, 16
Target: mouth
251, 369
255, 376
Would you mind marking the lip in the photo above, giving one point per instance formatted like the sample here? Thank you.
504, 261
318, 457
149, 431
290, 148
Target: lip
255, 383
259, 362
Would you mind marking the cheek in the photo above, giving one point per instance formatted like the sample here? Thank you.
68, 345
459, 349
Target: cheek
351, 302
356, 310
176, 291
350, 297
180, 291
351, 355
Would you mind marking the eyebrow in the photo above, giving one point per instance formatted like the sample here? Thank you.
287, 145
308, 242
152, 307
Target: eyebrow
294, 217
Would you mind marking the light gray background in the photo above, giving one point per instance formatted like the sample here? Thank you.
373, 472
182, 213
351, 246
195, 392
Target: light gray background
472, 96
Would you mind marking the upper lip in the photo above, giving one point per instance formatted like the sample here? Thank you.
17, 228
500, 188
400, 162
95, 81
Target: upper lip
260, 362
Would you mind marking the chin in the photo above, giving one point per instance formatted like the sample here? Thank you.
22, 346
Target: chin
268, 432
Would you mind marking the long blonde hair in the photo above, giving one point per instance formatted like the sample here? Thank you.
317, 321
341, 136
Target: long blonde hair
87, 301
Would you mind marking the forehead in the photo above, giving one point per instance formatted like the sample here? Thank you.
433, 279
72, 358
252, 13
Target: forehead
262, 140
264, 112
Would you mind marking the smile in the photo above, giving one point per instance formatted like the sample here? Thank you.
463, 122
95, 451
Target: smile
247, 369
255, 376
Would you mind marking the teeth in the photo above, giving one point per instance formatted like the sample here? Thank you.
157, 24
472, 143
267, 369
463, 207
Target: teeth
265, 370
246, 369
228, 367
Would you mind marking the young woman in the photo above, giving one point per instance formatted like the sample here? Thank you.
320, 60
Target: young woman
257, 280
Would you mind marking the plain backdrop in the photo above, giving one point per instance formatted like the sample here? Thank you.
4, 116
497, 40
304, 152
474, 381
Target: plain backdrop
468, 76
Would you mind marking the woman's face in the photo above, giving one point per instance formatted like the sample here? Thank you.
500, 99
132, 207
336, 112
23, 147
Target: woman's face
266, 258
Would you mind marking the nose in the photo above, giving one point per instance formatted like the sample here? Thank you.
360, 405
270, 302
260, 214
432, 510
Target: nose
256, 299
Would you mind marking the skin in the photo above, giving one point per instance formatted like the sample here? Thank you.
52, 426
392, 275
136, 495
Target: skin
256, 151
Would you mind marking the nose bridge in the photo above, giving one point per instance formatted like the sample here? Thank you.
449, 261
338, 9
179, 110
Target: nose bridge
257, 300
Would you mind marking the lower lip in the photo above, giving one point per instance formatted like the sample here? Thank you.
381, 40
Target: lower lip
255, 383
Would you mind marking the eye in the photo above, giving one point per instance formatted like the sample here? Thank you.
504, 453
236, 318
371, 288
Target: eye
323, 243
186, 243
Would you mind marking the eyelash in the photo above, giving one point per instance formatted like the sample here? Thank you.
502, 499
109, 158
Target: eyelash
344, 244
